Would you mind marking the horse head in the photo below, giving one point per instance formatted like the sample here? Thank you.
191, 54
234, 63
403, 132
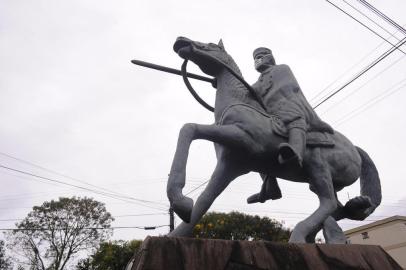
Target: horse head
211, 58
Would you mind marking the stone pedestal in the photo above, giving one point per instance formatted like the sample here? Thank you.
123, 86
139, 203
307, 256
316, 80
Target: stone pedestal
166, 253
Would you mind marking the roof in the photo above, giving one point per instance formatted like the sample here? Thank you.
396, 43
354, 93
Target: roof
375, 224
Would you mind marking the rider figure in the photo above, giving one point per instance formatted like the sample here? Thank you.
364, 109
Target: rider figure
282, 96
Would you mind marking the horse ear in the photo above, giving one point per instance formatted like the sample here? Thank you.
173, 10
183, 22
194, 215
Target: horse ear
221, 44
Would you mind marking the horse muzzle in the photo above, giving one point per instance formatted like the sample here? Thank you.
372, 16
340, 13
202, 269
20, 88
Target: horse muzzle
183, 47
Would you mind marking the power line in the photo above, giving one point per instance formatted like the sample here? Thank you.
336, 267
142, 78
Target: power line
379, 59
344, 73
78, 187
34, 195
369, 104
78, 180
273, 211
11, 219
385, 40
51, 171
370, 29
8, 208
118, 216
362, 86
352, 67
372, 219
382, 15
196, 188
296, 195
366, 16
86, 228
290, 213
141, 215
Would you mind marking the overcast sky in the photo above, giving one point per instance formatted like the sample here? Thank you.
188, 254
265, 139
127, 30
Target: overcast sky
71, 101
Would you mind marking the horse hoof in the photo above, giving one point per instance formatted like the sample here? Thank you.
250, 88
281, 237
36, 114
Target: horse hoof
297, 236
337, 240
183, 208
359, 208
297, 240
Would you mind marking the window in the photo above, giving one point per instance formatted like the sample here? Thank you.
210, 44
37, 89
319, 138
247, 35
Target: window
365, 235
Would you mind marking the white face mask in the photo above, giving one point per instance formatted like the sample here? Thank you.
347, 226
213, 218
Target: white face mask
264, 61
258, 62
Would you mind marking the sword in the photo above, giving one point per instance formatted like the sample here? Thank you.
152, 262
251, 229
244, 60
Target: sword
174, 71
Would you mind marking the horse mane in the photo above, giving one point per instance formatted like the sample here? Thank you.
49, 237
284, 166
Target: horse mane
232, 64
241, 92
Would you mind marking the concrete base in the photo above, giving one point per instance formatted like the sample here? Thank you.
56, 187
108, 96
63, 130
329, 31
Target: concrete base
171, 253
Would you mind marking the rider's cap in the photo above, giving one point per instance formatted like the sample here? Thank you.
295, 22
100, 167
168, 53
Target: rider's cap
261, 50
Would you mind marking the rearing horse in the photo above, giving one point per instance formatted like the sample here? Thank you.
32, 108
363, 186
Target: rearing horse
245, 140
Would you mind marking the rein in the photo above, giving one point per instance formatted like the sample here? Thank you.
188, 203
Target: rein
191, 90
202, 102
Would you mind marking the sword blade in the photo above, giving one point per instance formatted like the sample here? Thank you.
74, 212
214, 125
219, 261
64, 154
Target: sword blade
173, 71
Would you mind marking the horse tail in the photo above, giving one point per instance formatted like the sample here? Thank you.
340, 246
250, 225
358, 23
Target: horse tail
362, 206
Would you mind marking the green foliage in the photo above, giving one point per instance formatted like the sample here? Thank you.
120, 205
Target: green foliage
54, 232
111, 256
5, 263
239, 226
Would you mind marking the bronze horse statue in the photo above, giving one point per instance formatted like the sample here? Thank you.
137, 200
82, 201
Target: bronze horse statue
245, 140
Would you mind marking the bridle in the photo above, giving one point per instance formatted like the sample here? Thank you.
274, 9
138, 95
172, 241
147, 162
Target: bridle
191, 90
202, 102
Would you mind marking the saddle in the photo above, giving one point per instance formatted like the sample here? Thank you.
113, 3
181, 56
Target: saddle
313, 138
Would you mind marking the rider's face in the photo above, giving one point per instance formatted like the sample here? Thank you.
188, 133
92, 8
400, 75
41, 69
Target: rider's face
263, 61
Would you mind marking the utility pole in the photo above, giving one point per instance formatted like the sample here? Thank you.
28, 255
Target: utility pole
171, 219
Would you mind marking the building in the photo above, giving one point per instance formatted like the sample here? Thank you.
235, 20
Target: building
389, 233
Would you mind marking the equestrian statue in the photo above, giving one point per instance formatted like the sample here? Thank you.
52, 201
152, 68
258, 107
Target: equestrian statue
269, 128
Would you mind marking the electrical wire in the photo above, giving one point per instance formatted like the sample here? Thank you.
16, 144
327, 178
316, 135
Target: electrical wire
379, 59
369, 104
79, 187
313, 99
78, 180
141, 215
368, 18
362, 86
196, 188
86, 228
370, 29
117, 216
11, 219
382, 15
385, 40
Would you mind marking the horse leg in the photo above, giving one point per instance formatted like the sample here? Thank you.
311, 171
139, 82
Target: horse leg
332, 232
322, 185
311, 238
220, 179
225, 135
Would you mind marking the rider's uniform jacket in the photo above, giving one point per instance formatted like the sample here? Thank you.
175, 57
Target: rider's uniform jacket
282, 96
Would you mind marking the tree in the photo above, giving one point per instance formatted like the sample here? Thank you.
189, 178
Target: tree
111, 256
239, 226
5, 263
54, 232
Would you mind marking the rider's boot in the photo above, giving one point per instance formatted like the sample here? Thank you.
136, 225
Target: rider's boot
292, 152
269, 190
